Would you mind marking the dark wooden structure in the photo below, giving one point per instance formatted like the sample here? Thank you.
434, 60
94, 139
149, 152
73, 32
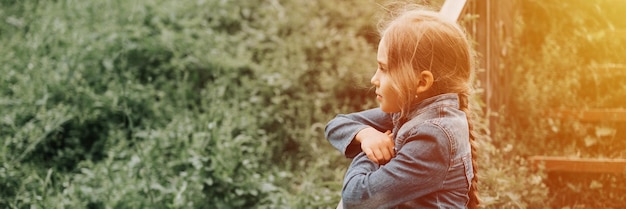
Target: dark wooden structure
579, 165
583, 165
492, 31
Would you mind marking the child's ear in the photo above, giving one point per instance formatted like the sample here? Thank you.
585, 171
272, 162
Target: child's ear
425, 82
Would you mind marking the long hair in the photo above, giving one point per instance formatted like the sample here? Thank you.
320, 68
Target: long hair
419, 40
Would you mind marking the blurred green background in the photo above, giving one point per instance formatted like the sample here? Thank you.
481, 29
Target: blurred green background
222, 104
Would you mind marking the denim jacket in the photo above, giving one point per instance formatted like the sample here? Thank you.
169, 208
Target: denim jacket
433, 163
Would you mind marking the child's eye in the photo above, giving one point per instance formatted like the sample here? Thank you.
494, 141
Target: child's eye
382, 67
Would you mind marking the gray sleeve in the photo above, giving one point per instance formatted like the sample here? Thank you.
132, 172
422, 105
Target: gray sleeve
418, 169
341, 130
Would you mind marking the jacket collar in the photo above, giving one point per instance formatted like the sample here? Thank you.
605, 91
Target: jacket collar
447, 99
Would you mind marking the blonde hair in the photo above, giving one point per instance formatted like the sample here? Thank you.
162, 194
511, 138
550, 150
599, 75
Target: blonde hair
418, 40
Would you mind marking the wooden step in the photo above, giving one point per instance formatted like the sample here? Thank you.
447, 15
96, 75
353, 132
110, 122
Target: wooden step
592, 115
587, 165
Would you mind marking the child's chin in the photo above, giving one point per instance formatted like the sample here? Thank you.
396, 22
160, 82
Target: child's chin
388, 110
384, 109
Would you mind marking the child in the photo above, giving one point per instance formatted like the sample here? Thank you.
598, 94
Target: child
416, 150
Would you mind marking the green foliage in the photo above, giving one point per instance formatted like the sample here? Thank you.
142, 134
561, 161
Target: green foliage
507, 181
161, 104
567, 55
573, 61
217, 104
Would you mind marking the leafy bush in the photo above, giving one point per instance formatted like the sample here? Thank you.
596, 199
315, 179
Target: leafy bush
160, 104
567, 55
565, 64
216, 104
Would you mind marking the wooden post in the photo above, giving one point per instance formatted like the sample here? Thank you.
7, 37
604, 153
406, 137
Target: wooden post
452, 9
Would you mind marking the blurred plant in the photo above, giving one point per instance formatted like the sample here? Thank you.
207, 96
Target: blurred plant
567, 56
160, 104
217, 104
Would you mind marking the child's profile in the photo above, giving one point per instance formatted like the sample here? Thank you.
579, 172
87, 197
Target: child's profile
416, 150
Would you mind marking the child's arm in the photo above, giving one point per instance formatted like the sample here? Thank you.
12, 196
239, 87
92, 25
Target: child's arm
355, 132
378, 146
418, 169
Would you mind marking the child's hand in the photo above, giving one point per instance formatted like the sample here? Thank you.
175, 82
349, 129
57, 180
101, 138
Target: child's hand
378, 146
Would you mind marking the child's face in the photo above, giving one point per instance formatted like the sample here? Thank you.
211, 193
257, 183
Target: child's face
385, 94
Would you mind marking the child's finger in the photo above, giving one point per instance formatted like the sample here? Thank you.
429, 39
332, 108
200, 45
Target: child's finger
370, 155
392, 150
380, 157
386, 156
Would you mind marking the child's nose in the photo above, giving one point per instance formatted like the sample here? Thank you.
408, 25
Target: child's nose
374, 79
